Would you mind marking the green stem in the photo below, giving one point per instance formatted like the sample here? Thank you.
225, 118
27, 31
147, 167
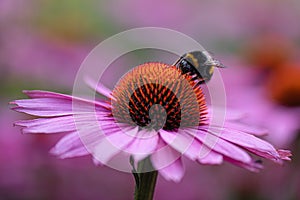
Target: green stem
145, 178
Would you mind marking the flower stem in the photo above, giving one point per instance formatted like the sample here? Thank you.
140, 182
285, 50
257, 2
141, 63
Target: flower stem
145, 177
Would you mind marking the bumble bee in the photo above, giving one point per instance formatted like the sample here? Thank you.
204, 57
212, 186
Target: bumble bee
199, 65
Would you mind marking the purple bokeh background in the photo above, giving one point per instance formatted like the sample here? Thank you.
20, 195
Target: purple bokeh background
42, 44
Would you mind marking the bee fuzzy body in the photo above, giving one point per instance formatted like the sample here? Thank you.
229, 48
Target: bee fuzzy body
199, 65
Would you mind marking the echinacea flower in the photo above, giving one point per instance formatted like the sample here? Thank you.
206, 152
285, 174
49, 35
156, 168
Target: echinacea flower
287, 92
153, 112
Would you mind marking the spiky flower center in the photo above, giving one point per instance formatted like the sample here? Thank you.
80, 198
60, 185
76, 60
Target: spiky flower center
155, 96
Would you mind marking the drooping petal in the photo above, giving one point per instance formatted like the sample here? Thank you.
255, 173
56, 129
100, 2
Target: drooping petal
78, 143
229, 114
68, 123
191, 147
47, 104
251, 166
85, 135
251, 143
100, 88
168, 162
44, 107
46, 94
182, 142
284, 154
33, 94
69, 146
211, 158
232, 119
252, 129
112, 144
48, 125
174, 171
144, 143
221, 146
53, 95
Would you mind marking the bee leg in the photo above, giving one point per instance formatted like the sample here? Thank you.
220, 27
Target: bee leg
202, 81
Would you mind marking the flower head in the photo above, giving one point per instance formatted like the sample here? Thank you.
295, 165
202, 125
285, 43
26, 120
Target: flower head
154, 112
158, 84
287, 92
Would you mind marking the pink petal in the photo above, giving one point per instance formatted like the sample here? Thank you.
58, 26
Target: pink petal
144, 143
220, 146
168, 162
229, 114
113, 144
108, 129
211, 158
48, 125
182, 142
77, 143
284, 154
251, 166
174, 171
44, 107
251, 143
100, 88
48, 104
45, 94
254, 130
64, 123
53, 95
69, 146
191, 147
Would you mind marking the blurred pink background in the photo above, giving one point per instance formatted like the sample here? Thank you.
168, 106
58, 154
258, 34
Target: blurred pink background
42, 44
